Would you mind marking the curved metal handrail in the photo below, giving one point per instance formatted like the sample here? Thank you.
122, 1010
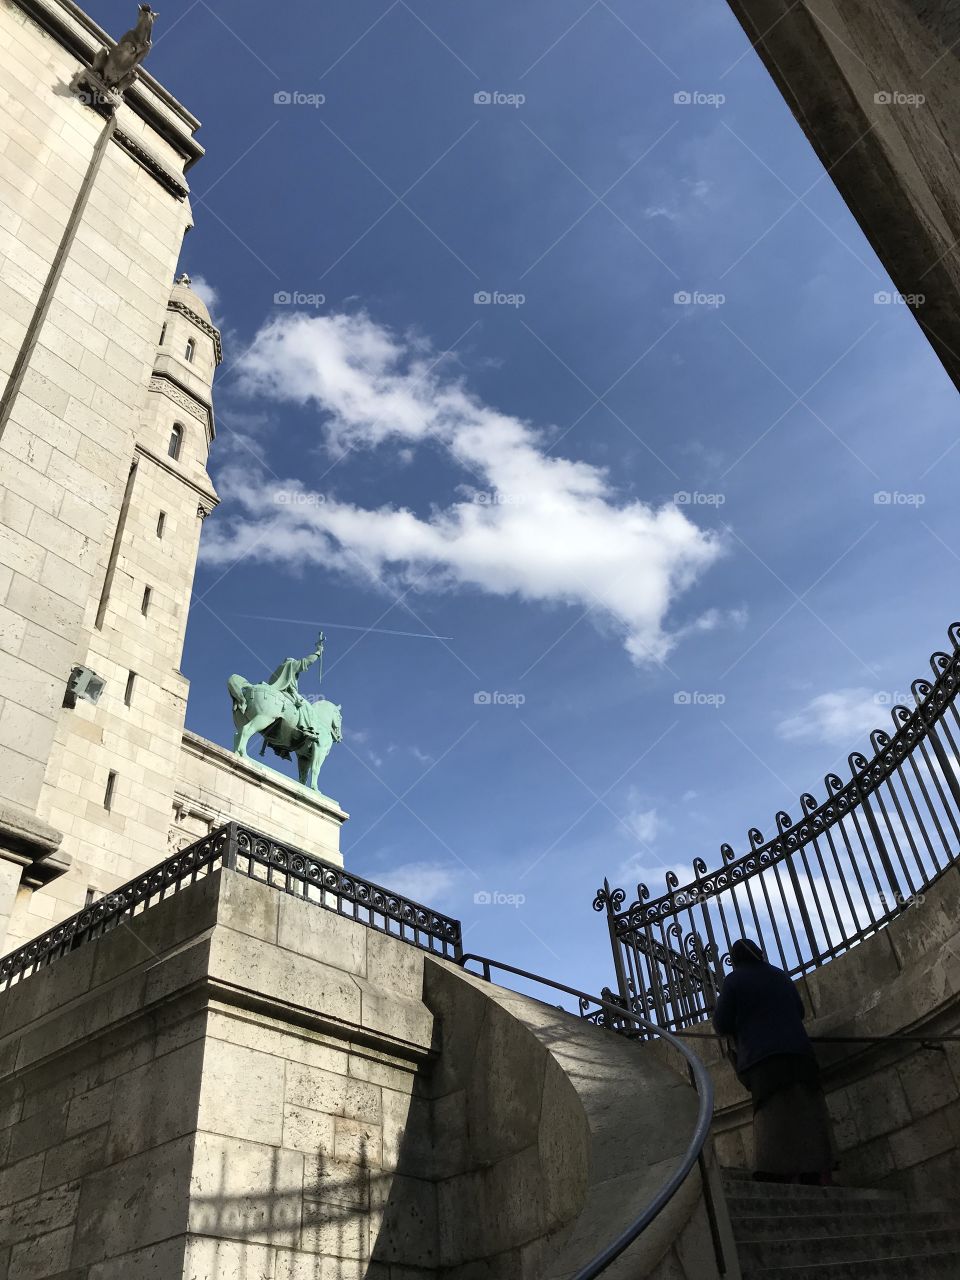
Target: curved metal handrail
847, 867
702, 1081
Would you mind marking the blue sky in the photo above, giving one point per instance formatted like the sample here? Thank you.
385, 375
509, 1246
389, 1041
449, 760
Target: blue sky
654, 521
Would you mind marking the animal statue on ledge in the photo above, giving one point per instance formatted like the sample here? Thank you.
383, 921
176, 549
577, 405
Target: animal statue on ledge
289, 723
118, 67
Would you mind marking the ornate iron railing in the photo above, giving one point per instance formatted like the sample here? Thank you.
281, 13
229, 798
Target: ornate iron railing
850, 865
240, 849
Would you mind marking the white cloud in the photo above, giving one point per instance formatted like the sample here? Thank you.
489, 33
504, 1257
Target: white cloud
843, 716
360, 738
697, 191
643, 824
430, 883
644, 869
536, 526
206, 292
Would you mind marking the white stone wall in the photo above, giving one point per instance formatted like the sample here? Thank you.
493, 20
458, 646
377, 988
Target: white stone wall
57, 490
253, 1134
66, 448
141, 741
239, 1085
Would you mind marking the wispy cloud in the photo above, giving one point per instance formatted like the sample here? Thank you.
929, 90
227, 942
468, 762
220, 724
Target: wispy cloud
431, 883
207, 293
532, 525
842, 716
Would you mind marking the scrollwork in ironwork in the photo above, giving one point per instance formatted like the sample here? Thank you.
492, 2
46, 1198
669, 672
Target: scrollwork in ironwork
222, 847
346, 888
610, 898
911, 726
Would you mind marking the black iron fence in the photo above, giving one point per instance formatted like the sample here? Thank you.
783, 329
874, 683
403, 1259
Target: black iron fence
850, 864
240, 849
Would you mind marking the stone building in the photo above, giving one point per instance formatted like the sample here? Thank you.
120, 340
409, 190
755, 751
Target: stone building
105, 428
873, 84
251, 1065
232, 1082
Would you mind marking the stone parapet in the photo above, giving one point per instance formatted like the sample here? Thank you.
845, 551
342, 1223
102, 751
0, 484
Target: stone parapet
239, 1085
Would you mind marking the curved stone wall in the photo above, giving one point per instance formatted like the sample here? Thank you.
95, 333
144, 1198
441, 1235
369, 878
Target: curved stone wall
564, 1133
272, 1091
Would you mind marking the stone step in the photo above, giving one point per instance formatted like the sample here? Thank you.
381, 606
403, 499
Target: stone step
798, 1210
751, 1227
746, 1188
793, 1250
932, 1266
807, 1200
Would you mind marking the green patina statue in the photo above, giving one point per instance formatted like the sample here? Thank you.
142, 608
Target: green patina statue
289, 723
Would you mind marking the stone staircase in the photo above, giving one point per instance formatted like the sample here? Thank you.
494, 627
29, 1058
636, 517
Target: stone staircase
787, 1232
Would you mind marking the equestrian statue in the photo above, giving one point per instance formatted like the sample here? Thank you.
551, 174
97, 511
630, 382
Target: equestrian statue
289, 723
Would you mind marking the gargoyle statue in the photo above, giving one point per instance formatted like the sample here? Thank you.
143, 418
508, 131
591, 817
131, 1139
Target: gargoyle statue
117, 67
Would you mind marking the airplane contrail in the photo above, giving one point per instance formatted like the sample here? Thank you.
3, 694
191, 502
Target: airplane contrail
343, 626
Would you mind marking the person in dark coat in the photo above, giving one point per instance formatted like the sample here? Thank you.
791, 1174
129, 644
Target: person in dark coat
761, 1009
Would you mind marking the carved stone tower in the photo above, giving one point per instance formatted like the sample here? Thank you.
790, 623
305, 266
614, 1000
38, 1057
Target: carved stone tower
93, 181
110, 777
105, 425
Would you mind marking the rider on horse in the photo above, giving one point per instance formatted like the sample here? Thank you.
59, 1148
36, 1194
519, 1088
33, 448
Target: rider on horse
284, 680
289, 723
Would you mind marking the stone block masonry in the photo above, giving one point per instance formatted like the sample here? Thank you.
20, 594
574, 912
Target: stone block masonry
105, 430
239, 1085
214, 786
873, 84
93, 211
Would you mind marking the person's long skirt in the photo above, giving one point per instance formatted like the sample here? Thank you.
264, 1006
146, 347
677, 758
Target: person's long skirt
791, 1125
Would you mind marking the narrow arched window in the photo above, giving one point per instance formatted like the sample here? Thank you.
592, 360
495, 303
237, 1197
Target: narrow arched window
190, 350
163, 334
176, 441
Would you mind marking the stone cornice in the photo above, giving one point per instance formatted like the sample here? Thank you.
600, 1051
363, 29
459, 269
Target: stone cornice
147, 160
207, 496
77, 32
210, 330
32, 844
167, 385
261, 775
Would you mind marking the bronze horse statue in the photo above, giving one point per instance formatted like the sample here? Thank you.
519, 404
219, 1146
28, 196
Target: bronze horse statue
289, 724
